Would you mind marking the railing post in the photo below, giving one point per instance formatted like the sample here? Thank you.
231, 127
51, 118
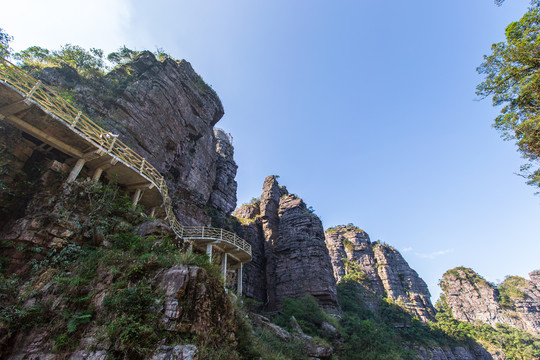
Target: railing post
76, 120
202, 231
142, 166
221, 234
34, 88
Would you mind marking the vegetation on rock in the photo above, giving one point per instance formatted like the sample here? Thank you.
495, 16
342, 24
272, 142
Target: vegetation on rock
516, 344
510, 289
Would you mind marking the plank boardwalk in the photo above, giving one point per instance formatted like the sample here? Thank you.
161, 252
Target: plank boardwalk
40, 112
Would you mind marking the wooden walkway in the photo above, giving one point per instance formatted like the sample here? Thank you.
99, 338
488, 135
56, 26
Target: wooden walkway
40, 112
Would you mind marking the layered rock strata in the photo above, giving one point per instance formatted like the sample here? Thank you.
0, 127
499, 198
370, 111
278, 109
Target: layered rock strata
471, 298
291, 257
381, 268
165, 112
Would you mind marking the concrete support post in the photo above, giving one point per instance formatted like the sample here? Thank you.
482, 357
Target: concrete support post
97, 174
136, 197
224, 266
209, 252
76, 170
239, 278
190, 247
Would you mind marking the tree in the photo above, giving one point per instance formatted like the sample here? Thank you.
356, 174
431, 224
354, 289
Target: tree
34, 55
512, 79
122, 56
5, 39
87, 62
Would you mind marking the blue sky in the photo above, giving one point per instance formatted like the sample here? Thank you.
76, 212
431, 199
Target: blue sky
366, 109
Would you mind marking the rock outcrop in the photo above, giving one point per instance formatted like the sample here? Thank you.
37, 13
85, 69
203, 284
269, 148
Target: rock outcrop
223, 195
380, 269
471, 298
290, 255
195, 304
456, 353
311, 347
165, 112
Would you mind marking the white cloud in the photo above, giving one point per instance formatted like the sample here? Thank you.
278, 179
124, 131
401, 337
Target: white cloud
434, 254
407, 249
98, 23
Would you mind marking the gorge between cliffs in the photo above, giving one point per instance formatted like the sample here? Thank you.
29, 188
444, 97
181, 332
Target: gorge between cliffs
87, 273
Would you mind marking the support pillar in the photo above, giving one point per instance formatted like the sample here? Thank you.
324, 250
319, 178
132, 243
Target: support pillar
209, 252
136, 197
224, 266
153, 212
97, 174
76, 170
239, 278
190, 247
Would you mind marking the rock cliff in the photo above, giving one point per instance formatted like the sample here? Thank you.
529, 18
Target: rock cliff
290, 255
515, 302
164, 111
381, 269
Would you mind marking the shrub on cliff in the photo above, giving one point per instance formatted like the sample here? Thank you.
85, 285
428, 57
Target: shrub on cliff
510, 289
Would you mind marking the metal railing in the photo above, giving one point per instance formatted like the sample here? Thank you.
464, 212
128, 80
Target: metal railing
53, 104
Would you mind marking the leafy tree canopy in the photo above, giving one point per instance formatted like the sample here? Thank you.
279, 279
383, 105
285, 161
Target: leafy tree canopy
512, 79
5, 39
88, 63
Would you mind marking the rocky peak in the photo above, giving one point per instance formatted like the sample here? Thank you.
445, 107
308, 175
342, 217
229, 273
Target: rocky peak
515, 302
381, 268
290, 239
223, 196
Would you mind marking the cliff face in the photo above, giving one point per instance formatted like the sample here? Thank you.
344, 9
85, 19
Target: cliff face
166, 113
471, 298
382, 268
291, 257
77, 249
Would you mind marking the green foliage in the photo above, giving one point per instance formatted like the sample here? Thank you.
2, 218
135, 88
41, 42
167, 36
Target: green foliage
255, 201
307, 313
122, 56
516, 344
512, 79
366, 335
202, 86
248, 347
354, 272
88, 63
348, 244
346, 228
5, 39
510, 289
273, 348
467, 274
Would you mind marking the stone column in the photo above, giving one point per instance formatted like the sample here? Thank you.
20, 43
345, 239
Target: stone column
239, 278
224, 266
97, 174
209, 252
76, 170
136, 197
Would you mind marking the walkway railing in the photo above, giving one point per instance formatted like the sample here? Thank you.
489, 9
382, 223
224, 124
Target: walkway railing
53, 104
